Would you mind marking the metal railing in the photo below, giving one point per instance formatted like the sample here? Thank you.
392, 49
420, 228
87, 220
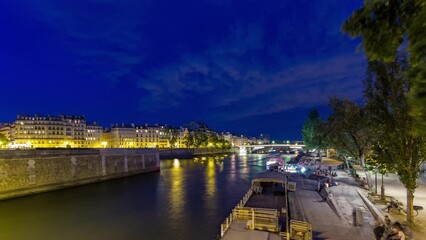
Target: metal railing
258, 218
225, 226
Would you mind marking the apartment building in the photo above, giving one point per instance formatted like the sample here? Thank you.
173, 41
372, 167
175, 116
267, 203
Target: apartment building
36, 131
123, 135
152, 136
94, 133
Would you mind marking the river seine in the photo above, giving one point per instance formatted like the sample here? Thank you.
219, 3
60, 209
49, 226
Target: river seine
188, 199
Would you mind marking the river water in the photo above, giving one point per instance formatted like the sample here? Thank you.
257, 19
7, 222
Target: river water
188, 199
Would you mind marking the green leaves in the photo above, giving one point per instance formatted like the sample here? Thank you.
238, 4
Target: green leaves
381, 27
311, 132
3, 141
396, 148
389, 26
349, 129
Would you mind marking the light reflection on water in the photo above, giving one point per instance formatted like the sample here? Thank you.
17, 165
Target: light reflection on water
177, 186
188, 199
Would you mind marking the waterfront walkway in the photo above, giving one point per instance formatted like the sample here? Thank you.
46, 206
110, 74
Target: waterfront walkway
333, 219
349, 195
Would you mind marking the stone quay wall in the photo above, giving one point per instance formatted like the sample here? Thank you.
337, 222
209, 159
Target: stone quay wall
24, 172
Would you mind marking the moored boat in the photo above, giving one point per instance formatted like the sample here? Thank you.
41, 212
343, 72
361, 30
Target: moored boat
263, 213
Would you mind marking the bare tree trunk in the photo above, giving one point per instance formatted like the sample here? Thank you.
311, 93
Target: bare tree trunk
362, 160
346, 162
410, 202
369, 180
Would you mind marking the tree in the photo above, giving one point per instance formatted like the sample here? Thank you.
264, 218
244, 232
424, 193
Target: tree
399, 147
387, 25
3, 141
223, 144
213, 140
311, 132
349, 131
200, 139
373, 164
172, 134
226, 145
188, 139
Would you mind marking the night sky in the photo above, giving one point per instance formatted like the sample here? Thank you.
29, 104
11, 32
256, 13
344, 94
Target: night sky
245, 66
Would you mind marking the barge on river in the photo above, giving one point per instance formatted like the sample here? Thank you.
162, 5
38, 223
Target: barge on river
264, 212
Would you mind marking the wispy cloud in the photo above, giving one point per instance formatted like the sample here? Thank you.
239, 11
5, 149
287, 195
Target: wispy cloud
228, 65
233, 83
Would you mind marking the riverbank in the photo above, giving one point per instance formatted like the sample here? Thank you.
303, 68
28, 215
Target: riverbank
393, 188
26, 172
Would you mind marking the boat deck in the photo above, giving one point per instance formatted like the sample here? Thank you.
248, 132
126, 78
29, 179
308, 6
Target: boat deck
262, 212
238, 231
269, 198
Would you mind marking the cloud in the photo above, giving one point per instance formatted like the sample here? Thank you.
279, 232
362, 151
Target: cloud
233, 78
224, 61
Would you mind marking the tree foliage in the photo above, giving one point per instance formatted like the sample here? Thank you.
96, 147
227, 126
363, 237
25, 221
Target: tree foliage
309, 130
200, 139
172, 135
348, 129
188, 139
396, 148
3, 140
385, 26
312, 132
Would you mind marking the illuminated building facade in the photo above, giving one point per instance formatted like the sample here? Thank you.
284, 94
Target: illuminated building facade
237, 141
35, 131
75, 131
106, 138
94, 134
152, 136
122, 135
64, 131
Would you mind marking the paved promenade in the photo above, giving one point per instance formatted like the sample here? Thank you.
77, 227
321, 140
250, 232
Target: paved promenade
394, 188
347, 196
334, 219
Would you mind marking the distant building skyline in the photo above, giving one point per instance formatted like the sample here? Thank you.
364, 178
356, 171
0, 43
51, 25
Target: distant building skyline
253, 128
68, 131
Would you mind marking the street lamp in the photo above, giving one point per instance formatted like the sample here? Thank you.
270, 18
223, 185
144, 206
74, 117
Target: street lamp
382, 190
375, 176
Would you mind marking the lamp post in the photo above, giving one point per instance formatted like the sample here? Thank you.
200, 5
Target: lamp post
382, 190
375, 180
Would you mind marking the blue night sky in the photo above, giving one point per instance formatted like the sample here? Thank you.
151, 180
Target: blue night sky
245, 66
